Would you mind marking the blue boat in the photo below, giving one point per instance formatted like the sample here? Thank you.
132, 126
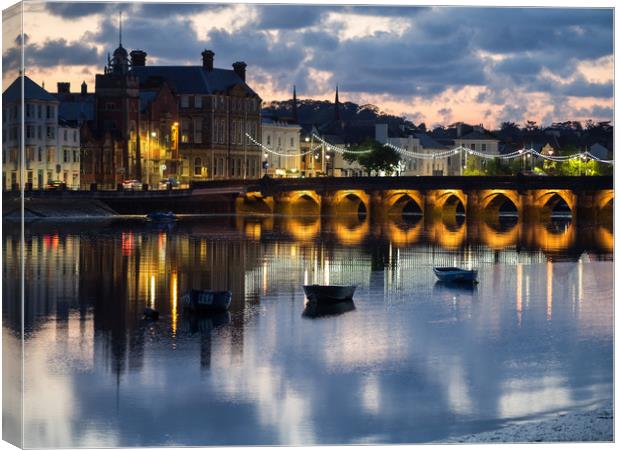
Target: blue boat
200, 300
455, 275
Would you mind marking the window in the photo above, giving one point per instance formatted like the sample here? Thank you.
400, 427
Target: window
279, 142
234, 132
40, 154
51, 133
39, 131
65, 135
292, 142
29, 111
40, 111
472, 146
184, 101
75, 156
483, 147
198, 101
197, 130
185, 130
197, 167
110, 106
74, 135
50, 112
66, 156
268, 140
232, 167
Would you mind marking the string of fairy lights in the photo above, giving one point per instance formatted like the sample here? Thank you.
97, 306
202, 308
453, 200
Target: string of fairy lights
521, 153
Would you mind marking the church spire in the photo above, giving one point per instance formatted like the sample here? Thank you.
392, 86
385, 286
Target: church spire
295, 118
120, 28
337, 106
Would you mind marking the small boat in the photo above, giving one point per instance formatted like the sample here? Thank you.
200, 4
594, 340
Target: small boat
159, 216
207, 301
314, 309
455, 275
329, 293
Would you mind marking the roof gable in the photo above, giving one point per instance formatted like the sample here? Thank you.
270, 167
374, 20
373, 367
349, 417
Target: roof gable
32, 91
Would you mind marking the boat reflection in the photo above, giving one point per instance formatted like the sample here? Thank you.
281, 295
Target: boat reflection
447, 287
203, 322
313, 309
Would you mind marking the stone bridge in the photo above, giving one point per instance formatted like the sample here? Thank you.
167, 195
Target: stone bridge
524, 196
490, 197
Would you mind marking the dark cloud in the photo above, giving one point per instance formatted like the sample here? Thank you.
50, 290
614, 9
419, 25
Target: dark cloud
596, 111
52, 53
288, 16
582, 88
77, 9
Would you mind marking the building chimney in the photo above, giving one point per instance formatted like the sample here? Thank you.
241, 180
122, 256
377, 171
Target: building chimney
207, 60
239, 68
138, 58
64, 88
84, 89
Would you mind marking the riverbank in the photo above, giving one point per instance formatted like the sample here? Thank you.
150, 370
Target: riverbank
52, 208
595, 424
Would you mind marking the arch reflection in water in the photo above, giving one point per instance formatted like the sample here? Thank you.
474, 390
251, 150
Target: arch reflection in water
406, 231
301, 227
313, 309
350, 229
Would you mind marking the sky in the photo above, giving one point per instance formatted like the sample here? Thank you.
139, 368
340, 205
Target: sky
436, 65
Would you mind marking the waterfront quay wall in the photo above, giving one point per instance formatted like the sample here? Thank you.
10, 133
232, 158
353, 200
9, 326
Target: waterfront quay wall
529, 197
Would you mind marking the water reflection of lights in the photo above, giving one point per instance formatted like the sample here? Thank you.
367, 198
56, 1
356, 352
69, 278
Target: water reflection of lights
519, 293
549, 290
152, 304
127, 243
174, 291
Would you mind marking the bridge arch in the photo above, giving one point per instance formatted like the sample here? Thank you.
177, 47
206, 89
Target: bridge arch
254, 203
401, 202
501, 202
305, 202
452, 203
350, 202
555, 201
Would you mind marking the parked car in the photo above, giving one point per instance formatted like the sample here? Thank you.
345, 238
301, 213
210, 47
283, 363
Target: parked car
54, 185
132, 185
166, 183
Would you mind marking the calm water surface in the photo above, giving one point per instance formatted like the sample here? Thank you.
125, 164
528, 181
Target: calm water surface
411, 361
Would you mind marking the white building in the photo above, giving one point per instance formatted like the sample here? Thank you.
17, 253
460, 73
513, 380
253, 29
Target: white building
418, 143
282, 139
69, 152
44, 160
478, 140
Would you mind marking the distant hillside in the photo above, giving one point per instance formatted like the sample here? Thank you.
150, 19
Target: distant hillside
322, 111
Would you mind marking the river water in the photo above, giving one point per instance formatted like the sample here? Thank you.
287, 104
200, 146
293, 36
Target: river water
410, 361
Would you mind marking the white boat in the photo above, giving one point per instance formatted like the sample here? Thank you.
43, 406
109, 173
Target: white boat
455, 275
329, 293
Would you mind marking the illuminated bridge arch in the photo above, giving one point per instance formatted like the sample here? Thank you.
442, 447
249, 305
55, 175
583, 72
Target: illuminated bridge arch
350, 202
304, 202
404, 202
501, 202
452, 202
556, 201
